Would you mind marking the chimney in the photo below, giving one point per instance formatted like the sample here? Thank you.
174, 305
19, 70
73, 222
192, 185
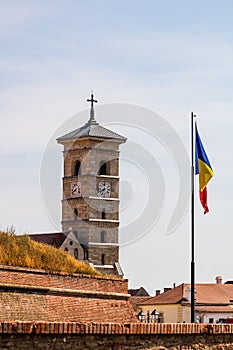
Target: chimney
166, 289
219, 279
157, 292
174, 285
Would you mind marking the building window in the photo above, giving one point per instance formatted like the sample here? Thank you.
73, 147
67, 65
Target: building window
222, 320
102, 236
211, 320
103, 259
76, 253
85, 254
77, 165
66, 250
104, 168
103, 215
75, 213
71, 242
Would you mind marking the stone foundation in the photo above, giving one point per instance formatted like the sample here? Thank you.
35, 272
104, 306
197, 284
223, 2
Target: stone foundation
107, 336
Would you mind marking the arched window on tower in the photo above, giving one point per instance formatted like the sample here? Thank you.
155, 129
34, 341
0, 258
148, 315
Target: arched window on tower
104, 168
103, 259
102, 236
77, 169
103, 214
75, 212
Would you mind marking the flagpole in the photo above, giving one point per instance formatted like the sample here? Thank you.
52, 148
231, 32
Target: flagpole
192, 226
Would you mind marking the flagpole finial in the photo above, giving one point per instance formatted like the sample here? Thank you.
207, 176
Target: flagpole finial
193, 115
92, 114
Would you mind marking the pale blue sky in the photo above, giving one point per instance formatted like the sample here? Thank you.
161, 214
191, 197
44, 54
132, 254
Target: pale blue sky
172, 57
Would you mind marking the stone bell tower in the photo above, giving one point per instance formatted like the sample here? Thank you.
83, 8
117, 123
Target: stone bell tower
90, 204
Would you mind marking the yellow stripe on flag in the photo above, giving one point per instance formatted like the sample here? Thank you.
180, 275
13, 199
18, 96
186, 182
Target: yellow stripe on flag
205, 174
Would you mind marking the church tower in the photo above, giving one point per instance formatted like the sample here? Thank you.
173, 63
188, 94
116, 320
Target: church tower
90, 204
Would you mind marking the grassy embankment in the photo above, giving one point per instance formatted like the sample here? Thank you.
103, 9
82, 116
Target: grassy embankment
23, 252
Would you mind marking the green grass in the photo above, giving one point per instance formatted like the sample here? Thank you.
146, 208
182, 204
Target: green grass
21, 251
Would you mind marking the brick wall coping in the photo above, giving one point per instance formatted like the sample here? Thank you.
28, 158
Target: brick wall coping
45, 272
63, 291
17, 327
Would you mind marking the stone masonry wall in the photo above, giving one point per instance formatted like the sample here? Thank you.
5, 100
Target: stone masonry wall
100, 336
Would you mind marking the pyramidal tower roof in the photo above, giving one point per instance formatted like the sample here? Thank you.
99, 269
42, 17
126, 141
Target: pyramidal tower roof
92, 129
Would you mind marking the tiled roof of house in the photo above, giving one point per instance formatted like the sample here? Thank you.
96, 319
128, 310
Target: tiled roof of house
138, 292
92, 129
214, 293
56, 239
172, 296
205, 294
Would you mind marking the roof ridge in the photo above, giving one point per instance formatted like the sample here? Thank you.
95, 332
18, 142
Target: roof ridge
92, 129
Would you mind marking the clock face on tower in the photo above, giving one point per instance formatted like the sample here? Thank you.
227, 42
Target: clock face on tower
104, 189
75, 189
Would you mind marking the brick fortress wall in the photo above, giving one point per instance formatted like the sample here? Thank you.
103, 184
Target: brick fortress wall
45, 310
32, 277
29, 295
107, 336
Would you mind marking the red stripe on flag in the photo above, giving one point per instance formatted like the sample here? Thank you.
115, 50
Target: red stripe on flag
203, 199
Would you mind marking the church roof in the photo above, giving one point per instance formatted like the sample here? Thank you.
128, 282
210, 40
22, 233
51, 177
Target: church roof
92, 129
56, 239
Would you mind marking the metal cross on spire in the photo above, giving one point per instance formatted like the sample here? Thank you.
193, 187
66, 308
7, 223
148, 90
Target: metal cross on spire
92, 116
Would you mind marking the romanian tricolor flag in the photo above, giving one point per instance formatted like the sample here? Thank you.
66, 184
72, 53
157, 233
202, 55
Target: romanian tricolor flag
204, 169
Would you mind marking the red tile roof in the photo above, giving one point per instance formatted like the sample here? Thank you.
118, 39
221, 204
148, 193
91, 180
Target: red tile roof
56, 239
215, 294
172, 296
